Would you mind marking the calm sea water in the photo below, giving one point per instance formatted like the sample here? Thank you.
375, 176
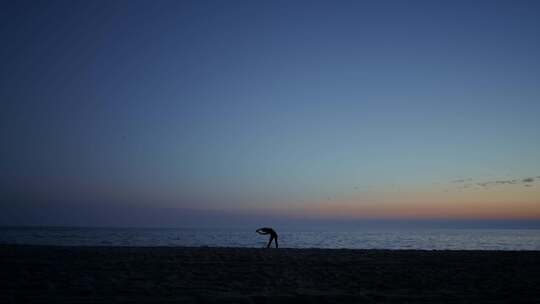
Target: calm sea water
456, 239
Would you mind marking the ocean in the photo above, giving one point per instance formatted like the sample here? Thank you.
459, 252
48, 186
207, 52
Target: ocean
428, 239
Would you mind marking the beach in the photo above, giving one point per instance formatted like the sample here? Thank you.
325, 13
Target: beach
54, 274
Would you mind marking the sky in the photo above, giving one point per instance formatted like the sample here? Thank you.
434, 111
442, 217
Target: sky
126, 112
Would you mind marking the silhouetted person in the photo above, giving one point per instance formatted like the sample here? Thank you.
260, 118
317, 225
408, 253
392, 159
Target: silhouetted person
273, 235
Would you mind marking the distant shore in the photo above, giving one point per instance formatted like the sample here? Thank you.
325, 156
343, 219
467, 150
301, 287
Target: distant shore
48, 274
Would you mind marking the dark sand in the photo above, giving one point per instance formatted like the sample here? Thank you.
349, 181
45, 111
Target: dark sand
36, 274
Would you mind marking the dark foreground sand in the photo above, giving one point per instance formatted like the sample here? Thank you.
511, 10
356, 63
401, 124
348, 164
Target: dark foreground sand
35, 274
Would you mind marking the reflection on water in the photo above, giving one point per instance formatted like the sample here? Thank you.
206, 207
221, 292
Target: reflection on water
457, 239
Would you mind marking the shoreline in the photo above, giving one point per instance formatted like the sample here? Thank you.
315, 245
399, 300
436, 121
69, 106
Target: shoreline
7, 245
105, 246
117, 274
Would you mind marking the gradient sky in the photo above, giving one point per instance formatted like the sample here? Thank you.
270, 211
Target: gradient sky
324, 109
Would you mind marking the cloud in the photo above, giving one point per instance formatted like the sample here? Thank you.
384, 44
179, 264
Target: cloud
503, 182
463, 180
526, 181
498, 182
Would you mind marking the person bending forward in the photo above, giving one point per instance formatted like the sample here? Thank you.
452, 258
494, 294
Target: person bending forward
273, 235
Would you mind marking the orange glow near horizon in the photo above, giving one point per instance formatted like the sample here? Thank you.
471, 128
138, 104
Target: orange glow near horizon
503, 203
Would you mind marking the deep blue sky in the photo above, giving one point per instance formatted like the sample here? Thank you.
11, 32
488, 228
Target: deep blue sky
281, 105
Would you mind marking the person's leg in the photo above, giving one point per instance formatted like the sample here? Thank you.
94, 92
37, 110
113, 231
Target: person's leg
269, 242
275, 239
